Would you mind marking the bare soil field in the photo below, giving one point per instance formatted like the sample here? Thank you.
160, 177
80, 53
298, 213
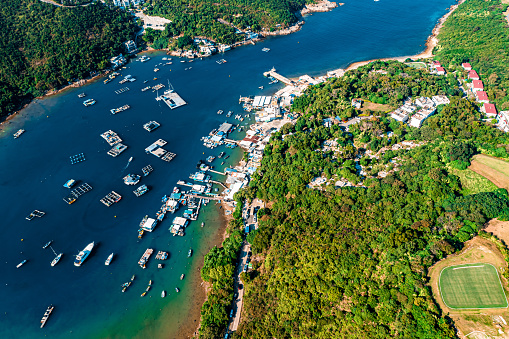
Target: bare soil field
494, 169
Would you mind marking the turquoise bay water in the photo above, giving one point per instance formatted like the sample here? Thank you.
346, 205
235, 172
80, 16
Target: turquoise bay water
88, 300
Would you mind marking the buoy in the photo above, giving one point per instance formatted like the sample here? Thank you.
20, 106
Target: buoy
21, 239
115, 216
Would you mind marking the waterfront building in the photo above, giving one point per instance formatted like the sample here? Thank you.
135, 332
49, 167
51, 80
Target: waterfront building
118, 61
130, 47
149, 225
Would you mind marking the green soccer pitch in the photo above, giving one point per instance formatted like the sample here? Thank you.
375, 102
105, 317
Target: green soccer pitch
471, 286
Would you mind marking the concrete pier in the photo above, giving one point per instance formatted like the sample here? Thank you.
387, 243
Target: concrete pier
278, 76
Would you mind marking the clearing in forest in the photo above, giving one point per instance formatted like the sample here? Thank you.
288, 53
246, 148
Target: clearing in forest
494, 169
472, 286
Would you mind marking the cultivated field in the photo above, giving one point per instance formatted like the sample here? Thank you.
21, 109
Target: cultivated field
472, 286
493, 169
473, 182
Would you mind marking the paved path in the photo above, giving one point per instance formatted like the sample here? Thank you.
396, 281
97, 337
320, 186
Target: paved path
51, 2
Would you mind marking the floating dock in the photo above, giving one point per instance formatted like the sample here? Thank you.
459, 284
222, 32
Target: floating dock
77, 158
122, 90
146, 170
144, 258
117, 149
172, 99
111, 137
111, 198
151, 125
77, 192
157, 149
35, 213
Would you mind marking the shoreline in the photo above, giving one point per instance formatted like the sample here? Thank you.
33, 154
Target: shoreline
431, 43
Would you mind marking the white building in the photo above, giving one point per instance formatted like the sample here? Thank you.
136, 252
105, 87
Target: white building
399, 115
440, 100
149, 225
424, 101
503, 121
419, 117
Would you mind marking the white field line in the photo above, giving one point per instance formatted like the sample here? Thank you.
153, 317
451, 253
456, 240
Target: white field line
459, 268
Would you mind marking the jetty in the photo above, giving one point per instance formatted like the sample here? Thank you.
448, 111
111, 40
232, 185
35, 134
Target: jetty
157, 149
275, 75
172, 99
35, 213
111, 198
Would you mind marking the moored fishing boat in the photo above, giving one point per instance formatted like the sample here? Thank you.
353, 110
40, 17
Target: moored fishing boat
88, 102
47, 244
182, 276
190, 253
57, 259
108, 260
163, 294
46, 315
21, 263
18, 133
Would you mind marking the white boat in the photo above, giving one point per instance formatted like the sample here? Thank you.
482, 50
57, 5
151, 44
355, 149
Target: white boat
108, 261
21, 264
163, 294
18, 133
57, 259
83, 255
47, 244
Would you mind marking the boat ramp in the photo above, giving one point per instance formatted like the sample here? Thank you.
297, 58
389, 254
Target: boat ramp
157, 149
172, 99
111, 198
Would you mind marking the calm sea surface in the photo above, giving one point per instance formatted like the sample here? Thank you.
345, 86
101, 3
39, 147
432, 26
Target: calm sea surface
88, 299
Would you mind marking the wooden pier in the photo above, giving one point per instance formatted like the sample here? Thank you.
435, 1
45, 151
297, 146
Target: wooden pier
217, 172
275, 75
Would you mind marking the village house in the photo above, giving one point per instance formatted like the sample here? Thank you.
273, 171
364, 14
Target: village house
357, 103
440, 71
489, 109
472, 75
482, 97
477, 85
399, 115
503, 121
130, 47
466, 66
424, 101
440, 100
419, 117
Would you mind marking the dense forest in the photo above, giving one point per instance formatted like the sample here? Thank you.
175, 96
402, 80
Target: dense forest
476, 32
43, 46
200, 17
352, 262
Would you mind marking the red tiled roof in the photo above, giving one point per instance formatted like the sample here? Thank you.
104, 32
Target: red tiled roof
478, 84
473, 74
481, 95
436, 63
466, 65
440, 69
490, 108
